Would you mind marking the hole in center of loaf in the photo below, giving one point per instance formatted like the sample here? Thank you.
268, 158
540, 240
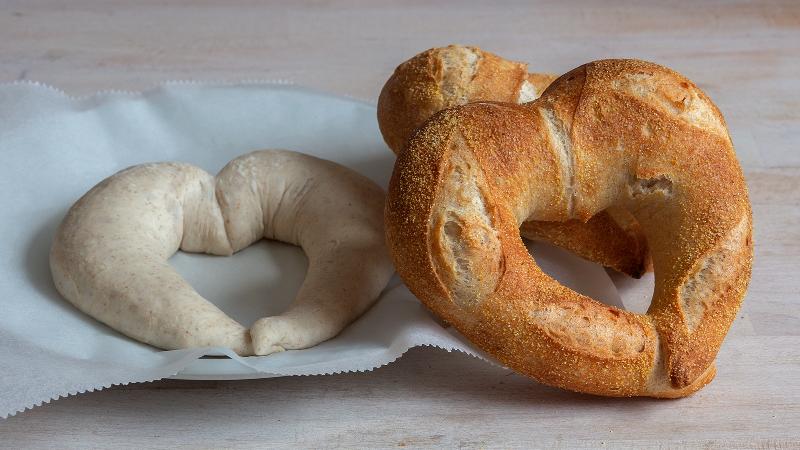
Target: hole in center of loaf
258, 281
636, 294
580, 275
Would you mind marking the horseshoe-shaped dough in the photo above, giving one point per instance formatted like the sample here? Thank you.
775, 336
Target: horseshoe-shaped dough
109, 256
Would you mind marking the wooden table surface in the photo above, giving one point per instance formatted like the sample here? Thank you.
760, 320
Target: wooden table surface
745, 55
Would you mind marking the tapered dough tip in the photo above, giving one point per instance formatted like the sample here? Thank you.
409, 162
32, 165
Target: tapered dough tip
271, 335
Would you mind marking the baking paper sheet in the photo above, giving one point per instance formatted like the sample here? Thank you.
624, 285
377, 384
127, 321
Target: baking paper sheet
54, 148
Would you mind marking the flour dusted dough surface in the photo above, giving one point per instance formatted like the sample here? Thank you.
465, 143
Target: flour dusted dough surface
109, 256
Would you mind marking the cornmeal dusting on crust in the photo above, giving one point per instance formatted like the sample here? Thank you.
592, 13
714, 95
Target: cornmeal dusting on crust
559, 138
680, 98
713, 276
459, 66
448, 76
592, 329
470, 262
627, 120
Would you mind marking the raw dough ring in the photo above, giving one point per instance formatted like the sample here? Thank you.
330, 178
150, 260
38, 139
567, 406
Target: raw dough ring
613, 132
109, 257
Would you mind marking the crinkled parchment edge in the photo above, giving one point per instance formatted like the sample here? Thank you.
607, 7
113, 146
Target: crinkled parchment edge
389, 356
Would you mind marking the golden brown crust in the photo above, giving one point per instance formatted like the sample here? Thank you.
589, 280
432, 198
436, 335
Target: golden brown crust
602, 239
445, 77
541, 80
639, 137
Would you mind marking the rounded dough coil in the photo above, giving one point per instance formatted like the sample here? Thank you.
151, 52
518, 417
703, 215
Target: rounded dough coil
109, 256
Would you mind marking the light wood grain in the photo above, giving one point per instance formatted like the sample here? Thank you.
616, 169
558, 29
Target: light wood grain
746, 55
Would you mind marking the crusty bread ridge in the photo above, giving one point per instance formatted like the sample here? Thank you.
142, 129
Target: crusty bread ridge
445, 77
609, 134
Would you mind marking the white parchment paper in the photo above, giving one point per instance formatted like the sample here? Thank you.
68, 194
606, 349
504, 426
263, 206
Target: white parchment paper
54, 148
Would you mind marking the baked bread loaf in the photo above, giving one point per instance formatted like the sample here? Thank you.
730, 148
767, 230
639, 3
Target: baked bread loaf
445, 77
613, 133
109, 256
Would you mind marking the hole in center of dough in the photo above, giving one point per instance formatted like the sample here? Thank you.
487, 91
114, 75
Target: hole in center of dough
258, 281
